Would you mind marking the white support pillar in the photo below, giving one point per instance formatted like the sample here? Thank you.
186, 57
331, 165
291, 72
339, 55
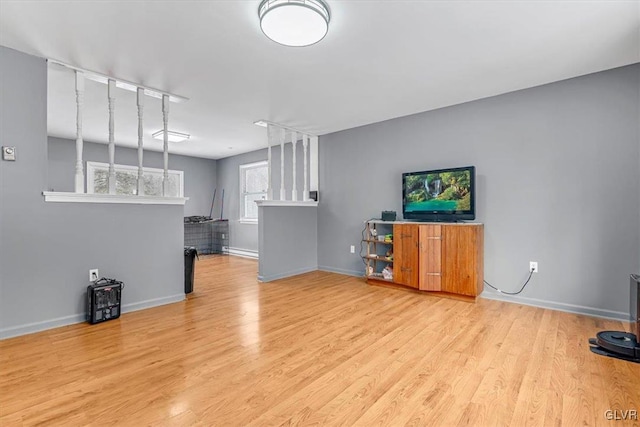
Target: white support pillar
283, 194
305, 188
294, 185
313, 161
269, 185
140, 101
165, 120
111, 89
79, 181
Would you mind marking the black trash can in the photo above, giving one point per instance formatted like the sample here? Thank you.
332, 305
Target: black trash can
190, 254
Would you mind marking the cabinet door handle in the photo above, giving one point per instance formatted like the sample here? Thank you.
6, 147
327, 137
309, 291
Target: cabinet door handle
434, 238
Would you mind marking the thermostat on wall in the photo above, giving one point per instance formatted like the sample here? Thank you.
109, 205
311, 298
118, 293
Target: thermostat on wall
9, 153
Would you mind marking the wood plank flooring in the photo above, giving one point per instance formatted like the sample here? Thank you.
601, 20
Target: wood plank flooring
317, 349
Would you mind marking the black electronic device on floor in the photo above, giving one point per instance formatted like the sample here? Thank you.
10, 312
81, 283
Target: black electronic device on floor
103, 300
622, 345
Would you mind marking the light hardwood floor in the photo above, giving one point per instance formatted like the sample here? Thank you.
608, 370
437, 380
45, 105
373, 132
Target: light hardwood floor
317, 349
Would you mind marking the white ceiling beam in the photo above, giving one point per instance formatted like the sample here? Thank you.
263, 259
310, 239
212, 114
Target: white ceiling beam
265, 123
121, 83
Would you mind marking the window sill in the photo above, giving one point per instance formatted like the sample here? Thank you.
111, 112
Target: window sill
63, 197
309, 203
248, 221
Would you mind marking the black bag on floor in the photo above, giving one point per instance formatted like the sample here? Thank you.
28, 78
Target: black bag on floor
190, 254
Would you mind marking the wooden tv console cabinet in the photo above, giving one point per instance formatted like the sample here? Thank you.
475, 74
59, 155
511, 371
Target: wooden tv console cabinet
444, 258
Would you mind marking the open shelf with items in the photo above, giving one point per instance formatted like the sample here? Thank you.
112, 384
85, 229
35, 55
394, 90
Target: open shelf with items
443, 258
378, 257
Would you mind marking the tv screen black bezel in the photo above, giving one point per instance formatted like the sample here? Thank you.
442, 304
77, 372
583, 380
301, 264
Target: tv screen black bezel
441, 216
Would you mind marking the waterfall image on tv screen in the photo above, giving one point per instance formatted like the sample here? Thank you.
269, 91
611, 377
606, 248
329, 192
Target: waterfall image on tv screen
438, 192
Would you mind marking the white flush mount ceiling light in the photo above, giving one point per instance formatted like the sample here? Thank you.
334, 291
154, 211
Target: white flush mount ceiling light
294, 22
173, 136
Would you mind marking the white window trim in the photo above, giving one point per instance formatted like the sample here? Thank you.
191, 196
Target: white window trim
243, 168
92, 166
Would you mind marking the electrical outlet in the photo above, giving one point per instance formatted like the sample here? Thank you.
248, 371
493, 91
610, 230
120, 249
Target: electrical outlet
94, 275
353, 249
533, 266
9, 153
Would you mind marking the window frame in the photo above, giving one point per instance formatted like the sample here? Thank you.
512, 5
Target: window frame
243, 169
92, 166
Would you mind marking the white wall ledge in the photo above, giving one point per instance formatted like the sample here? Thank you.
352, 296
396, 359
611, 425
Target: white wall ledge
63, 197
248, 221
266, 203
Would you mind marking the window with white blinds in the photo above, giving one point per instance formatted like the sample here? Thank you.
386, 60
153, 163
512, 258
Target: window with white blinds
253, 186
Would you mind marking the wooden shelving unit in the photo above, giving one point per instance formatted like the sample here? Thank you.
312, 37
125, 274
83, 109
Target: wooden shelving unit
378, 241
442, 258
380, 279
378, 258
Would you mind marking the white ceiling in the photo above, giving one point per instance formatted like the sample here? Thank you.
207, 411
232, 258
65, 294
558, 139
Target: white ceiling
380, 60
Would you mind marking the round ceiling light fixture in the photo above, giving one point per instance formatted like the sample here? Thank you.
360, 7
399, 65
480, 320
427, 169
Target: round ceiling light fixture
294, 22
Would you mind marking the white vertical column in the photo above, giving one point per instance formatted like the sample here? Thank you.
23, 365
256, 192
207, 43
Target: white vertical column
313, 161
140, 101
165, 120
294, 185
111, 92
283, 195
269, 185
79, 182
305, 188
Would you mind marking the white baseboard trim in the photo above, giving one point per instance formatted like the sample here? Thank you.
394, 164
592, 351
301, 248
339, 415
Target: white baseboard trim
30, 328
559, 306
135, 306
34, 327
246, 253
341, 271
287, 274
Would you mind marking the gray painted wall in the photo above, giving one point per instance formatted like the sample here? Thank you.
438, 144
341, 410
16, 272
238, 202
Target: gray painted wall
244, 236
47, 249
287, 240
557, 183
199, 174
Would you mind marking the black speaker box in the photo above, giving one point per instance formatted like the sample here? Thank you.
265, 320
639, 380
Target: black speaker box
388, 215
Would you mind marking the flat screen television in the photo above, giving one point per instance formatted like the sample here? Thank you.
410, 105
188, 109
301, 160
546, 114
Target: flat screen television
446, 195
